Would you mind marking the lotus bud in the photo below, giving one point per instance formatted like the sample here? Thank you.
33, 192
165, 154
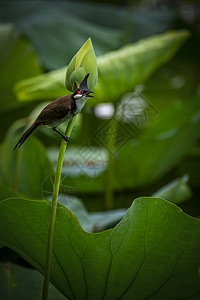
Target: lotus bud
82, 63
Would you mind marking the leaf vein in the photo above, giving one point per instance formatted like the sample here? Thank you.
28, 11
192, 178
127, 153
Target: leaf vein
171, 276
142, 263
65, 275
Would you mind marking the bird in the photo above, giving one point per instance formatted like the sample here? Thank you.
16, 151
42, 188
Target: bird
59, 111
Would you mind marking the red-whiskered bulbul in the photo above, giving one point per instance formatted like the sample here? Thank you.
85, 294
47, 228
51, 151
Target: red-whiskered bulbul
60, 110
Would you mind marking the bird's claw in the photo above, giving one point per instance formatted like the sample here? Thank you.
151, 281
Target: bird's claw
67, 139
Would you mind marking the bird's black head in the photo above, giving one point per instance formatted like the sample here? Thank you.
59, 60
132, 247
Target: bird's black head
83, 90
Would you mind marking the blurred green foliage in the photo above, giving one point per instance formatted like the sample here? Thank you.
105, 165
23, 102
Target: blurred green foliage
116, 76
25, 171
155, 143
18, 281
18, 61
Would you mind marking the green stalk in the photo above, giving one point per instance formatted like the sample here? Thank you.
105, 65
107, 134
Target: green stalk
52, 220
17, 170
109, 193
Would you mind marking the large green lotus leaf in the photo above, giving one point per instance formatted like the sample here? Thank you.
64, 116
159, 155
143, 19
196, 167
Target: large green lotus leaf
18, 281
26, 170
153, 253
119, 71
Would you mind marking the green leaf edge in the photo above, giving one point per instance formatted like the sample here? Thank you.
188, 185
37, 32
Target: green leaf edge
69, 211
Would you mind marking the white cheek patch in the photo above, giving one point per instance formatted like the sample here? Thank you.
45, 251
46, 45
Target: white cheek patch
78, 96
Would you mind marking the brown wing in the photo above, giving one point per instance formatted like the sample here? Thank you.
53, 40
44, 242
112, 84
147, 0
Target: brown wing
57, 109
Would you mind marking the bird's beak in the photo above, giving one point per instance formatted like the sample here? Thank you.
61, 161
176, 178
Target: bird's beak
88, 94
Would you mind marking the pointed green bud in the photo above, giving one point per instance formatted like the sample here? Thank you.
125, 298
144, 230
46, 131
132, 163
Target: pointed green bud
82, 63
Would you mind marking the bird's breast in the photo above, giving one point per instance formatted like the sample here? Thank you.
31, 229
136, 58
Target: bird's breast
79, 105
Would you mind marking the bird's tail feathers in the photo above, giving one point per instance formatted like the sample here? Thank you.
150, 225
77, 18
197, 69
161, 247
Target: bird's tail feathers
26, 135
